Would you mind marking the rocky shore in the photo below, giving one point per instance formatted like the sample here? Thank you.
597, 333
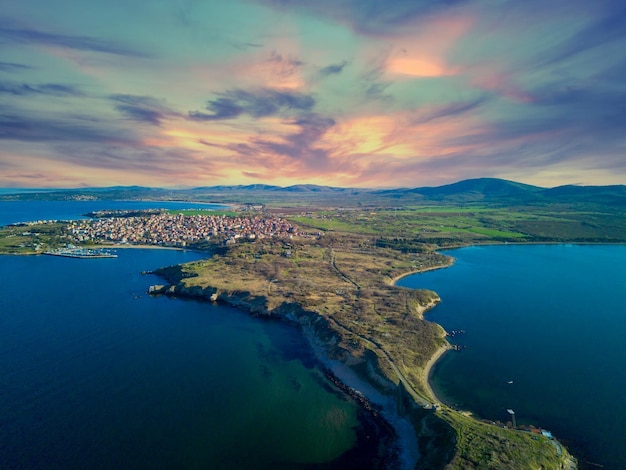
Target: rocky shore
369, 333
396, 441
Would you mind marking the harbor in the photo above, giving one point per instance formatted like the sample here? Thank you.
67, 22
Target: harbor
82, 253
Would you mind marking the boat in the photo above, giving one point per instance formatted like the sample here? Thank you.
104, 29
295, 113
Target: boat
81, 253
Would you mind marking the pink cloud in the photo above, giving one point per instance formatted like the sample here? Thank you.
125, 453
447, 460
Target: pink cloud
423, 50
491, 78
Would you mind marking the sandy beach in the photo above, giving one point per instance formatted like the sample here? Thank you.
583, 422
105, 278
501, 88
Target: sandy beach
443, 349
394, 280
428, 367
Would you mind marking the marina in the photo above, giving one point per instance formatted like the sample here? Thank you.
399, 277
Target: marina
82, 253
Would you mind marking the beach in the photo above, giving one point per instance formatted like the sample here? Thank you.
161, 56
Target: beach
394, 280
428, 368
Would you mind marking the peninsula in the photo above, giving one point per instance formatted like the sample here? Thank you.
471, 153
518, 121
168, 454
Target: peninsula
339, 289
330, 267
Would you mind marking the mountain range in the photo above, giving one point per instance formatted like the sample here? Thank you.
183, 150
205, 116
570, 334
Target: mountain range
479, 190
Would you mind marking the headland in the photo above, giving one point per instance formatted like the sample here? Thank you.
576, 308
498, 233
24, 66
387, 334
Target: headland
339, 291
335, 279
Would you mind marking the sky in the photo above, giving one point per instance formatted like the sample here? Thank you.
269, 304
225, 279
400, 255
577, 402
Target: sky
351, 93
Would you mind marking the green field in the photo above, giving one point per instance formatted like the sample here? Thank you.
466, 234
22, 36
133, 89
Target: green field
462, 225
189, 212
30, 239
339, 278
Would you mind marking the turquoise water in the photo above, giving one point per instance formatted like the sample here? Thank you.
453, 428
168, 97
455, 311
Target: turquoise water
94, 373
550, 318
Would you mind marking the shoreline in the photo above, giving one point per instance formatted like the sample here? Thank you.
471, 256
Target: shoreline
372, 401
405, 439
439, 353
404, 435
444, 348
394, 280
151, 247
428, 368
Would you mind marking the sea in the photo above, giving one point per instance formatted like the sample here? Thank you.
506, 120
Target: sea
95, 373
542, 331
13, 212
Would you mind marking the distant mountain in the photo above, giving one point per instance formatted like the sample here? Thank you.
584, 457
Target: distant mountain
113, 188
615, 194
249, 187
494, 190
471, 191
487, 187
312, 188
297, 188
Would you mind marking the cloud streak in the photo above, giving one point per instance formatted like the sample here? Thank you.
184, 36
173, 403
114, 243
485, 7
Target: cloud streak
28, 128
259, 103
13, 67
341, 92
333, 69
144, 109
50, 89
23, 35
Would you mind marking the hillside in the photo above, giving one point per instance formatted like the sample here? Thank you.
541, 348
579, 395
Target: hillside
490, 191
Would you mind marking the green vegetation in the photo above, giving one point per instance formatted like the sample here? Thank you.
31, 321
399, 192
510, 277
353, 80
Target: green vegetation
344, 278
337, 282
339, 287
485, 446
32, 238
453, 225
188, 212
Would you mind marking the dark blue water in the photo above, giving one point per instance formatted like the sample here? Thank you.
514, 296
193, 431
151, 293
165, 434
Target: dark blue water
94, 373
12, 212
552, 319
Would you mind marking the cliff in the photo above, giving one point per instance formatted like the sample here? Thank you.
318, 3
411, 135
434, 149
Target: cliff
345, 302
322, 332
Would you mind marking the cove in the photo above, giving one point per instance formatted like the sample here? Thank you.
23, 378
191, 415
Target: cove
551, 319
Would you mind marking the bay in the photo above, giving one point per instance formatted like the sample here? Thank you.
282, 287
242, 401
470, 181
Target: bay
94, 373
551, 319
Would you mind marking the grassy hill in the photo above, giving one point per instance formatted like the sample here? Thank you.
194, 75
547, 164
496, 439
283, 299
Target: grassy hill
489, 191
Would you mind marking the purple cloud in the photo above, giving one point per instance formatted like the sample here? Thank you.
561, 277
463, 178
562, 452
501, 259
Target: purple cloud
52, 89
257, 103
142, 108
333, 69
14, 126
449, 110
22, 35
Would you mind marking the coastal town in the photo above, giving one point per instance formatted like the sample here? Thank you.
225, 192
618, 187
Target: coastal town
181, 230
